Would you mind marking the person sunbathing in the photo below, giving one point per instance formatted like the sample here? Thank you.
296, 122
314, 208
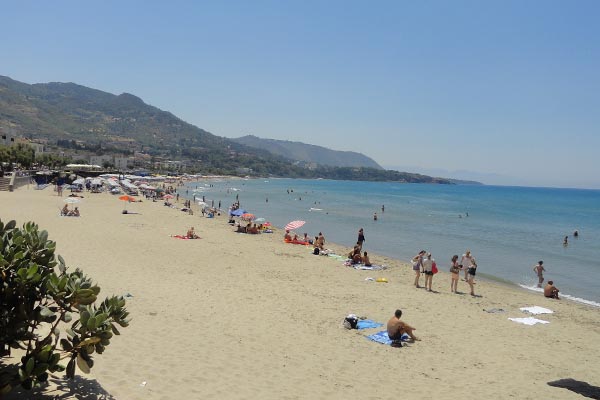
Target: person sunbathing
75, 212
287, 237
191, 233
396, 328
65, 210
365, 260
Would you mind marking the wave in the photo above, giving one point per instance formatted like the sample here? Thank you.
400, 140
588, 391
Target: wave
563, 296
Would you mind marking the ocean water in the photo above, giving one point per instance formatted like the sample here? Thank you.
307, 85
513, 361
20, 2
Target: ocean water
508, 229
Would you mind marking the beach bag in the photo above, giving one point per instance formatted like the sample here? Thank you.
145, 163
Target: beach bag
316, 251
351, 322
434, 268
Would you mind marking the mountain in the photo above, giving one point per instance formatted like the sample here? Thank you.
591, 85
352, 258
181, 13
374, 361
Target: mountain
309, 153
90, 121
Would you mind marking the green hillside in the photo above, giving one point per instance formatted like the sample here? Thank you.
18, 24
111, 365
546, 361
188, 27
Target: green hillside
75, 116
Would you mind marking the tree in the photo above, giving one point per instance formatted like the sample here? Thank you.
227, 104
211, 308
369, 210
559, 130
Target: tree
38, 298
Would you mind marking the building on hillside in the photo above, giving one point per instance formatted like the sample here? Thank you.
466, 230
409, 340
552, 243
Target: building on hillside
7, 139
122, 163
38, 148
101, 160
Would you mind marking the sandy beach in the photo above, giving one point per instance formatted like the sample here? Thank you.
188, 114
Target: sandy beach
235, 316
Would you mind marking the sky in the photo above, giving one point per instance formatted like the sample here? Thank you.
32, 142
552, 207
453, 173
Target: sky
505, 92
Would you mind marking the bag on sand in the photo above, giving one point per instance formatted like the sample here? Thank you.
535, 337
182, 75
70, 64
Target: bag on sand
351, 322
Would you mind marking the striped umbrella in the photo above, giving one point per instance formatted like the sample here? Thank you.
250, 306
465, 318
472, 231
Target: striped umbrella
294, 225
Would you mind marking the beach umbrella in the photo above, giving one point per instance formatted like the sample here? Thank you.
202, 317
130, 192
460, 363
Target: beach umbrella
168, 196
159, 190
248, 217
261, 219
72, 200
294, 225
267, 224
128, 199
238, 213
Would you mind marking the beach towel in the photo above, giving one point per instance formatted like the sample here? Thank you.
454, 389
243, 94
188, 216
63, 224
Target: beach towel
535, 310
529, 321
182, 237
370, 267
367, 323
383, 338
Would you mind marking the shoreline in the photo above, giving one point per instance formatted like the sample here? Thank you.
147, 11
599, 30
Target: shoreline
270, 314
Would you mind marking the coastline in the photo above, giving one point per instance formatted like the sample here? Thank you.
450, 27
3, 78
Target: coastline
250, 312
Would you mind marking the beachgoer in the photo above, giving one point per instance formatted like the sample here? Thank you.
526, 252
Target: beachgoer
321, 241
76, 212
374, 216
287, 237
361, 238
539, 269
417, 262
465, 263
383, 208
576, 233
191, 233
471, 276
365, 260
551, 291
455, 273
65, 210
396, 328
428, 271
305, 239
566, 241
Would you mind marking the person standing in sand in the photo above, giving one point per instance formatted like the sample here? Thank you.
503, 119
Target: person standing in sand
396, 328
455, 274
465, 262
471, 276
539, 270
321, 241
428, 271
417, 263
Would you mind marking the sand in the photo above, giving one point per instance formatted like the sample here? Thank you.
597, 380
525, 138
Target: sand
235, 316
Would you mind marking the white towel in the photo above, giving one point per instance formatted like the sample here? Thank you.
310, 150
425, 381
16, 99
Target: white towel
536, 310
529, 321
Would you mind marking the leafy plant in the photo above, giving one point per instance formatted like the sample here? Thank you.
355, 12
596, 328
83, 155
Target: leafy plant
38, 299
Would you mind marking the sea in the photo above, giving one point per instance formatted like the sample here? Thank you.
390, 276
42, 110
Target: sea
507, 229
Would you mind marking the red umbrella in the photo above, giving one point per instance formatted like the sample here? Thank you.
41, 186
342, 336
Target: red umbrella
248, 217
168, 196
294, 225
127, 198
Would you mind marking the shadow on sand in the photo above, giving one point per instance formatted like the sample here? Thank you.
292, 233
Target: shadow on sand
78, 388
579, 387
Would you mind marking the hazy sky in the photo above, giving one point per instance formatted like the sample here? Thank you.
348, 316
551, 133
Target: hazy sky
507, 89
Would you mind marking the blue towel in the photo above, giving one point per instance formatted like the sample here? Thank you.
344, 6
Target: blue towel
367, 323
383, 338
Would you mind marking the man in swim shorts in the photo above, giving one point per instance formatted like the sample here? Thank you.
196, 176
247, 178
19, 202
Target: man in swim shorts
551, 291
396, 328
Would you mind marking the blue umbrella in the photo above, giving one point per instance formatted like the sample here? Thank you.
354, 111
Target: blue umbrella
237, 213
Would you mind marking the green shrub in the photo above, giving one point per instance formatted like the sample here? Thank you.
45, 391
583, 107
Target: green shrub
47, 312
